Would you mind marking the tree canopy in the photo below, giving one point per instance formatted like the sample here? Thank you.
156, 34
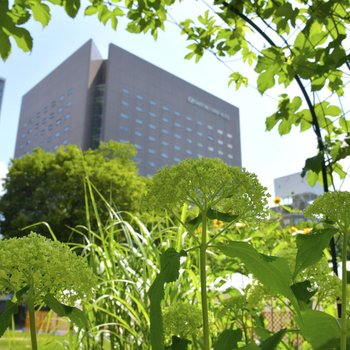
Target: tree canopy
51, 187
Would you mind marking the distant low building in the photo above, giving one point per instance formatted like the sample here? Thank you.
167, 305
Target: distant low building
295, 192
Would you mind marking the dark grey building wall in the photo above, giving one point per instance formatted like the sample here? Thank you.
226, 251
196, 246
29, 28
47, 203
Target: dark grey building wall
56, 111
167, 118
87, 99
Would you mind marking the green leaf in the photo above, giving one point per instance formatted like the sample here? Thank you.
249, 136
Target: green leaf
195, 222
77, 316
169, 272
72, 7
5, 45
313, 164
273, 272
321, 330
213, 214
6, 316
272, 342
90, 10
23, 38
228, 339
303, 293
41, 12
178, 344
310, 248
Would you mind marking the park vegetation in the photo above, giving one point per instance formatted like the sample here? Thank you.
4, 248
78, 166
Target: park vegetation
166, 285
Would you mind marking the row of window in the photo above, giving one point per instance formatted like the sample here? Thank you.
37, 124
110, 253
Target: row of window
177, 124
177, 136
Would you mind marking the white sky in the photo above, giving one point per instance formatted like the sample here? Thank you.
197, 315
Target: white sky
266, 154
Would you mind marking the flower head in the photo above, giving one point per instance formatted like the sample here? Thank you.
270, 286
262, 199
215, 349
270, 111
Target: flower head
208, 183
334, 206
277, 200
218, 223
48, 266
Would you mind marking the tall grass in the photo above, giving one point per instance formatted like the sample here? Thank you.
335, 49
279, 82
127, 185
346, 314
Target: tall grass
124, 253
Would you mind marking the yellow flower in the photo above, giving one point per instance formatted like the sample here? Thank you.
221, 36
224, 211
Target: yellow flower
198, 229
292, 229
277, 200
218, 223
307, 230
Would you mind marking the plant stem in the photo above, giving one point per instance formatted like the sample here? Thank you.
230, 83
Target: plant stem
343, 294
203, 277
32, 320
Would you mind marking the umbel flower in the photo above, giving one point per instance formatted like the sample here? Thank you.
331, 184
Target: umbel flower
47, 267
333, 206
208, 183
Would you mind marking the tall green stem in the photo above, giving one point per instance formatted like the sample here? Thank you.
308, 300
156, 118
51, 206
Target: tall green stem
203, 276
32, 319
343, 294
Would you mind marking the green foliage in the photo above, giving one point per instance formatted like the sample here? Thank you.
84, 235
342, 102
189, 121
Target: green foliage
208, 184
48, 266
333, 206
51, 187
169, 272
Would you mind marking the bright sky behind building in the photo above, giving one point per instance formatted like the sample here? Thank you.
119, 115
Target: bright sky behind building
265, 153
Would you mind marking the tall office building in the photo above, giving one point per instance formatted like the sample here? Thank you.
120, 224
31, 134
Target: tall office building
2, 88
86, 100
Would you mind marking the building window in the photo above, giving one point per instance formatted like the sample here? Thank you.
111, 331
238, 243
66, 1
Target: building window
177, 159
151, 151
220, 132
152, 126
67, 116
50, 127
178, 114
125, 90
200, 144
199, 133
220, 142
165, 143
138, 133
69, 103
229, 135
138, 147
165, 108
210, 138
165, 131
139, 109
230, 156
125, 103
199, 123
177, 136
58, 121
189, 129
139, 97
70, 92
166, 119
164, 155
151, 138
52, 115
61, 98
58, 134
124, 116
189, 118
59, 109
66, 128
220, 153
152, 102
177, 124
124, 128
65, 142
229, 146
188, 151
139, 121
177, 148
211, 149
210, 127
151, 164
189, 140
